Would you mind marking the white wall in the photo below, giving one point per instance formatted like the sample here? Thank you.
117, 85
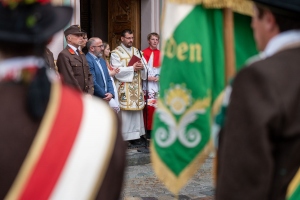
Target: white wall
57, 44
150, 19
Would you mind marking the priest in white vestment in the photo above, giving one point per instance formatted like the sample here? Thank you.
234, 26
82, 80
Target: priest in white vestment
129, 86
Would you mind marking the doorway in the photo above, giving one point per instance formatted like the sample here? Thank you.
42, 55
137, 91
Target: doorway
107, 18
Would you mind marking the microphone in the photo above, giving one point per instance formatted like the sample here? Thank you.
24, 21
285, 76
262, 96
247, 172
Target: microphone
143, 61
146, 99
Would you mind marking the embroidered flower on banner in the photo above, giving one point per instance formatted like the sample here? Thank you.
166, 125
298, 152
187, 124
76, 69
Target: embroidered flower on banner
177, 112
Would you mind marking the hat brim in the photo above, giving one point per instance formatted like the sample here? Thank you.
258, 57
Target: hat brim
77, 33
61, 17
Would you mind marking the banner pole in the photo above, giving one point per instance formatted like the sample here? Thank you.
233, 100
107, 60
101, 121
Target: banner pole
229, 44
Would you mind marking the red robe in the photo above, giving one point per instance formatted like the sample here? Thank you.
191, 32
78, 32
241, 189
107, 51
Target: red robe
156, 60
148, 114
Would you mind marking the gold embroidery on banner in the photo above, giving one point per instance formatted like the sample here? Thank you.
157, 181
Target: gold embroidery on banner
171, 181
240, 6
179, 101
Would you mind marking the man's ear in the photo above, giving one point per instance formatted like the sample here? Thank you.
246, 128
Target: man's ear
270, 21
122, 38
68, 37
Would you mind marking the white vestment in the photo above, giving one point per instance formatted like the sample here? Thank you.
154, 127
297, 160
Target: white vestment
129, 89
153, 87
114, 102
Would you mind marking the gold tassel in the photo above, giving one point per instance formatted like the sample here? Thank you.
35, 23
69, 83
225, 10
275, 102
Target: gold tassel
171, 181
244, 7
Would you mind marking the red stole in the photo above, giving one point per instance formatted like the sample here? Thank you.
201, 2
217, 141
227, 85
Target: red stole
156, 56
68, 142
52, 144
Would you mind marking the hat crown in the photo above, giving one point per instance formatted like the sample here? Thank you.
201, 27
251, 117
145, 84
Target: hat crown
25, 18
73, 29
31, 21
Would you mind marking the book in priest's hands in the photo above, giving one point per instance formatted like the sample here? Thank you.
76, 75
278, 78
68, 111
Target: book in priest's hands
133, 60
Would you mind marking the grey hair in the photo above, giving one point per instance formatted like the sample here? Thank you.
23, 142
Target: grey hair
91, 42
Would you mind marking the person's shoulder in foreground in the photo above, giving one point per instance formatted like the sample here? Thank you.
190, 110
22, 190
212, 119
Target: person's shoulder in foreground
53, 145
259, 144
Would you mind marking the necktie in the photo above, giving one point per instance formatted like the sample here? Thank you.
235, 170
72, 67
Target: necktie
78, 53
104, 79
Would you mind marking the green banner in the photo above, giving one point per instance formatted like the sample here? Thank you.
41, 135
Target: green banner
192, 76
296, 194
293, 192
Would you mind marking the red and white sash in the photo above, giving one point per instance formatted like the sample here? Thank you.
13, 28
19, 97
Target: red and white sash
71, 151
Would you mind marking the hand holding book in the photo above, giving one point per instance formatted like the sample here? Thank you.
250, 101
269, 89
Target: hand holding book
138, 66
133, 60
136, 63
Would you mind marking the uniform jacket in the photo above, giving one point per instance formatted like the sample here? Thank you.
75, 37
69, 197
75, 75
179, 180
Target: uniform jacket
74, 70
99, 87
16, 140
259, 146
49, 59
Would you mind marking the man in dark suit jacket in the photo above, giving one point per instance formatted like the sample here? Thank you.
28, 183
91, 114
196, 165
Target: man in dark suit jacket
72, 64
49, 59
103, 87
260, 143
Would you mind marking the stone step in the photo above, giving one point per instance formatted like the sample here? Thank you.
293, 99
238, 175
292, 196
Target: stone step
134, 157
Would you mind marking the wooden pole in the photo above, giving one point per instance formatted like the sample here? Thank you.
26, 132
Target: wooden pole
229, 44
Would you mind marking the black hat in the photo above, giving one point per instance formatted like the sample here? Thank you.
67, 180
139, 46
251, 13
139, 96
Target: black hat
289, 8
74, 29
31, 21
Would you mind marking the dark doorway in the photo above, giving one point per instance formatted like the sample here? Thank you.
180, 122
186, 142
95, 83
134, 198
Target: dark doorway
94, 18
124, 14
107, 18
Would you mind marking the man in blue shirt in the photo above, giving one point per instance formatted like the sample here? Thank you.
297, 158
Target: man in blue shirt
103, 87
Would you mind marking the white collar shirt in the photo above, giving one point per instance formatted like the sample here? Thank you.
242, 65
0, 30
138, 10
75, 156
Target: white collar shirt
101, 69
74, 48
281, 40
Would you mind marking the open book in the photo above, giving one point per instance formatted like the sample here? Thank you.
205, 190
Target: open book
133, 60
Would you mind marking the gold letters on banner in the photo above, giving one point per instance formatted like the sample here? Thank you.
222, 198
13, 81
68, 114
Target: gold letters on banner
183, 51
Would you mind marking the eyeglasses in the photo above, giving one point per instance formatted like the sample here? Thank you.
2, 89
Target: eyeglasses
101, 46
129, 38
